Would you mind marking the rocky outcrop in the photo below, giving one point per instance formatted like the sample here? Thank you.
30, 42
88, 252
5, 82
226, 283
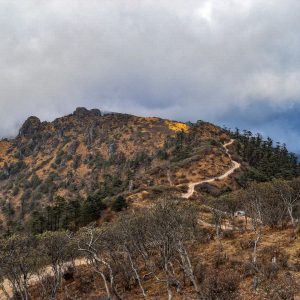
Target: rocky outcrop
95, 112
82, 112
30, 127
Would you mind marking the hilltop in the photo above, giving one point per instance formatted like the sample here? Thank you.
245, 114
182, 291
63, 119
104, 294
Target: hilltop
81, 164
90, 152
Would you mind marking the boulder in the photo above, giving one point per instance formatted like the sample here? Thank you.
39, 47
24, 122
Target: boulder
30, 127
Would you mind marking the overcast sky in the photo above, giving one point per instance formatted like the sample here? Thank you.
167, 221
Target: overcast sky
232, 62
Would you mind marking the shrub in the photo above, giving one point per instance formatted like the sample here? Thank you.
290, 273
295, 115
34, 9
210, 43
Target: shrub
270, 270
219, 258
220, 286
246, 244
76, 161
199, 271
228, 234
119, 204
283, 288
35, 181
17, 167
274, 252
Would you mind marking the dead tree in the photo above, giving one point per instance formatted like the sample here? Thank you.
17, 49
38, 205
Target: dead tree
18, 263
289, 193
253, 200
125, 234
92, 243
54, 256
170, 228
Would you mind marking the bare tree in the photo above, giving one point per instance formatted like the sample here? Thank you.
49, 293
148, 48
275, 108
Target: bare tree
126, 235
170, 228
94, 244
229, 203
289, 193
54, 255
253, 200
18, 263
217, 218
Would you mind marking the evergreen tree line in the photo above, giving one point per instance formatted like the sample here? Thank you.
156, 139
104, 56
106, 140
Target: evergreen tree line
268, 160
73, 214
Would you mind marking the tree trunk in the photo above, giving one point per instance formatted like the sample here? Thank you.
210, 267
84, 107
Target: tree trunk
136, 274
170, 295
187, 266
290, 211
106, 286
255, 249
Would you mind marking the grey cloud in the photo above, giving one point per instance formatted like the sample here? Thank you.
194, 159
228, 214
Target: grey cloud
181, 59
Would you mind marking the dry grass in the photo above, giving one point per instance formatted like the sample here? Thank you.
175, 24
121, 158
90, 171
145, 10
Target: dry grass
233, 259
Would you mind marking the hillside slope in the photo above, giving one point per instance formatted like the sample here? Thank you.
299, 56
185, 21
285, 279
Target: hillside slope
88, 151
126, 206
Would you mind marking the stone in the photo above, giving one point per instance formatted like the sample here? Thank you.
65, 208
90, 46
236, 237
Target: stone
30, 127
82, 112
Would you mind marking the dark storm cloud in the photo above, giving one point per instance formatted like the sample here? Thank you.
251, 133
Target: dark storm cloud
282, 124
188, 60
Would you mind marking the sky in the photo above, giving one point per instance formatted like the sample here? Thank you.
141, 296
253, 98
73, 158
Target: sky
230, 62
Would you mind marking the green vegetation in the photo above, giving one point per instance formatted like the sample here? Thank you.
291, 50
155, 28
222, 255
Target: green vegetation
267, 161
119, 204
64, 214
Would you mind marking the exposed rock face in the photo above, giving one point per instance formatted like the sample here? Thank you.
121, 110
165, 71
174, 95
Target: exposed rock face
91, 134
30, 127
82, 112
95, 112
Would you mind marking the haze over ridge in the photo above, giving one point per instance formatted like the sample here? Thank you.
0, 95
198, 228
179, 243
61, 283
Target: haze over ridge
229, 62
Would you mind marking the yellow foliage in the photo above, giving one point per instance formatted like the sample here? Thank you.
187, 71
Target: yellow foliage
177, 126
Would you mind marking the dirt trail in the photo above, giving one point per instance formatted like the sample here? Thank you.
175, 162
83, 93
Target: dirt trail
191, 189
235, 166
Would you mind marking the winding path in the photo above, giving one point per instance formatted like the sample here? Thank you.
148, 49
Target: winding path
190, 192
235, 166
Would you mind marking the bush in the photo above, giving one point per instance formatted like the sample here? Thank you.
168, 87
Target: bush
274, 252
283, 288
91, 209
119, 204
246, 244
249, 269
17, 167
35, 181
228, 234
220, 286
270, 270
219, 258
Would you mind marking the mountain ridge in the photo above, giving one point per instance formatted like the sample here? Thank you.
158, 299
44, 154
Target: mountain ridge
90, 152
